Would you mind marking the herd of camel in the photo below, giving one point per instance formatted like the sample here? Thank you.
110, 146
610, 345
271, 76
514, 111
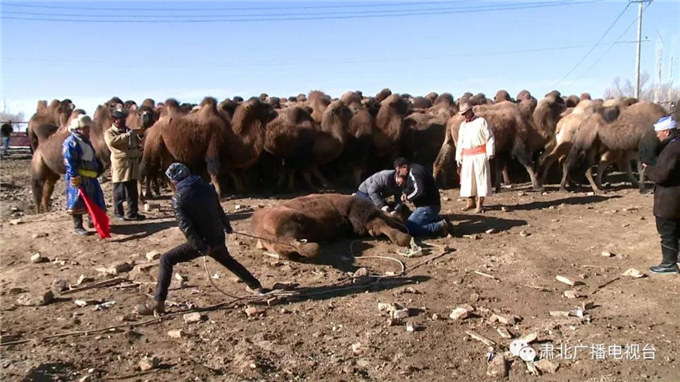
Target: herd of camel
271, 140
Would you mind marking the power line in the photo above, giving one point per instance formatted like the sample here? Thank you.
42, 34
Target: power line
593, 47
344, 15
278, 14
608, 49
25, 60
120, 9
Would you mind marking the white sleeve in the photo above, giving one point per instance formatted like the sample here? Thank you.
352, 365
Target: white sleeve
459, 149
490, 140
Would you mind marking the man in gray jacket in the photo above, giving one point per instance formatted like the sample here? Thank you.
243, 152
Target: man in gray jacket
380, 186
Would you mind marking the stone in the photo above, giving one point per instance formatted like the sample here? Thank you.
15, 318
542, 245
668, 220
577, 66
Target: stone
59, 285
529, 338
37, 299
122, 267
410, 327
497, 368
143, 272
491, 230
83, 303
153, 255
146, 363
520, 193
82, 279
559, 313
357, 349
126, 317
459, 313
399, 314
504, 208
385, 307
191, 318
361, 276
572, 294
38, 258
176, 333
40, 235
15, 222
565, 280
607, 254
547, 366
252, 311
634, 273
524, 233
503, 332
503, 320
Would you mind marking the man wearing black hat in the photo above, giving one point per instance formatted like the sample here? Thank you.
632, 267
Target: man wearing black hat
124, 145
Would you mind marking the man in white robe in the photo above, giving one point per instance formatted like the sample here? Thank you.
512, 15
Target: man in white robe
474, 149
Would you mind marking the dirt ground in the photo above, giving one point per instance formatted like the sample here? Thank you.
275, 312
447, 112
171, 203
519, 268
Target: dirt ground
629, 333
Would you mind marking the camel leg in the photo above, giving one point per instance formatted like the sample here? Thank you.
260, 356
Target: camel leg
307, 176
291, 180
324, 182
48, 189
288, 247
565, 176
238, 182
641, 172
378, 226
356, 172
506, 177
624, 163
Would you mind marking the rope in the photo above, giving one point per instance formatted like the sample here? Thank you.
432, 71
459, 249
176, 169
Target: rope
265, 239
207, 273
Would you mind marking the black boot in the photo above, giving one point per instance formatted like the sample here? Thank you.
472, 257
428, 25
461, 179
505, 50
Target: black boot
90, 223
669, 264
78, 225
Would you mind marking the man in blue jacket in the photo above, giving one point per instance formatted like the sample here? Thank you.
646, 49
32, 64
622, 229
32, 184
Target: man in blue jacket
203, 221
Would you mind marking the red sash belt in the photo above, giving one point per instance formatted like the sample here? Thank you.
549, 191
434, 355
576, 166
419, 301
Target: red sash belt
475, 150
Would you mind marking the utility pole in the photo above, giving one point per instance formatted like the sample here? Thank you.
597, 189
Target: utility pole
639, 43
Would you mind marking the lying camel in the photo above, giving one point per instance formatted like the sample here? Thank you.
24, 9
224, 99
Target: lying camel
298, 226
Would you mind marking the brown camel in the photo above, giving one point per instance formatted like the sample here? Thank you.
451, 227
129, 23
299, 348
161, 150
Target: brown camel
47, 163
502, 95
47, 120
386, 92
425, 131
318, 102
298, 226
572, 101
389, 126
561, 143
527, 103
244, 138
359, 138
512, 133
304, 145
195, 139
624, 130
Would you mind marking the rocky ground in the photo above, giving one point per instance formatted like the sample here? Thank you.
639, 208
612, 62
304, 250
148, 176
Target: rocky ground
500, 271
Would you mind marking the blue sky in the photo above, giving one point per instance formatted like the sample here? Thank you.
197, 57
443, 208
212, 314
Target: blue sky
284, 48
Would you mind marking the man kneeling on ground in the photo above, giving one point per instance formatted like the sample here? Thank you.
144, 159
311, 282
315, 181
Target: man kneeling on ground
203, 221
422, 191
380, 186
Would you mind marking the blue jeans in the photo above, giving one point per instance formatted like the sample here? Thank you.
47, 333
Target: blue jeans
5, 145
363, 195
425, 221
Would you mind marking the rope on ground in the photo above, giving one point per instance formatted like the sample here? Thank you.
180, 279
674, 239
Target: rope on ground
265, 239
207, 273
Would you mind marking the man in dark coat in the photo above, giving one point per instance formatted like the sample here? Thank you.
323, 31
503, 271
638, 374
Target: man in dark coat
665, 173
203, 221
421, 190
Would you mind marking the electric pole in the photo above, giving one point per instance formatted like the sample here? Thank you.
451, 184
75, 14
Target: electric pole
639, 45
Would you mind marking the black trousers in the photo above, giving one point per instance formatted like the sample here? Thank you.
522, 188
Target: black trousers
669, 230
186, 252
125, 191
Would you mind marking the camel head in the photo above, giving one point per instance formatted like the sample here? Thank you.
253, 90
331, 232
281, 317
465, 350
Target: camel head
432, 96
114, 103
572, 101
141, 117
547, 114
397, 103
42, 106
383, 94
149, 102
501, 95
585, 96
337, 114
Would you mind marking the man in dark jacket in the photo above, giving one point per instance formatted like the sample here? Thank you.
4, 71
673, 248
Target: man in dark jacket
666, 176
6, 135
380, 186
422, 191
203, 221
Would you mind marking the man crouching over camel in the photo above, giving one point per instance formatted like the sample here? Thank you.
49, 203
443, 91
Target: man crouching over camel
203, 221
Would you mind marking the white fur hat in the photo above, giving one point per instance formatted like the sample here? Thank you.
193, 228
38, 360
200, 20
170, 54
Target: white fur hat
79, 122
665, 123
